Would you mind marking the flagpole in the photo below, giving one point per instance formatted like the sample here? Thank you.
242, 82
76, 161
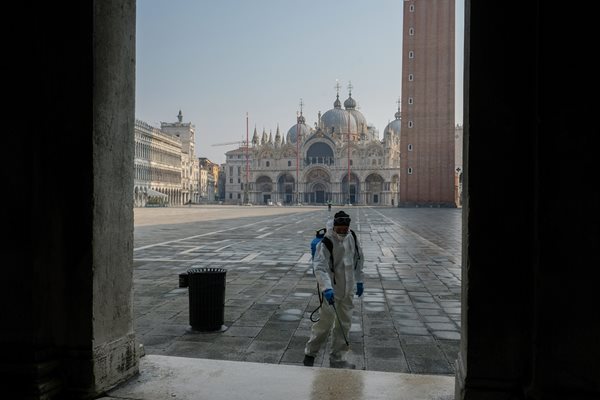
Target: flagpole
349, 116
297, 159
348, 160
246, 199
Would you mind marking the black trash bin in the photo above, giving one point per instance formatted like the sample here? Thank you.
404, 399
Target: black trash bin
206, 288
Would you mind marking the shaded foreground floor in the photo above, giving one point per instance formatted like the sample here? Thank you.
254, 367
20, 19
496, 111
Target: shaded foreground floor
164, 377
405, 329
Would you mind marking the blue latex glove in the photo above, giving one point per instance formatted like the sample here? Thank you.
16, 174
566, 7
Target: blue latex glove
359, 289
328, 294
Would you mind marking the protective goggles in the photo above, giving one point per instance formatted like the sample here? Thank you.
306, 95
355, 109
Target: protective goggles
342, 221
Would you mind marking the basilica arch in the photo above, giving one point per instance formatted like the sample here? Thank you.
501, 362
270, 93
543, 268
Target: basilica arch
374, 189
264, 189
350, 194
286, 185
320, 153
318, 186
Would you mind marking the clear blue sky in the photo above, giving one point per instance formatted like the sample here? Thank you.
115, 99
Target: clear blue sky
216, 60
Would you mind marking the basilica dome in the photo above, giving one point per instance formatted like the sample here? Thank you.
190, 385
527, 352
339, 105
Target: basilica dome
336, 120
299, 128
359, 118
394, 126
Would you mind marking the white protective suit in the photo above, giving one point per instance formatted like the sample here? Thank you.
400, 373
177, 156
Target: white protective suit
348, 270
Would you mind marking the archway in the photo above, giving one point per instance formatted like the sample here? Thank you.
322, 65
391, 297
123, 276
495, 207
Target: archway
350, 192
319, 153
264, 188
318, 184
317, 194
374, 189
286, 185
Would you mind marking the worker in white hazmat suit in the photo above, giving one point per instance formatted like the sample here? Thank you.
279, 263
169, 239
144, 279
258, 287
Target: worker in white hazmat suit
338, 282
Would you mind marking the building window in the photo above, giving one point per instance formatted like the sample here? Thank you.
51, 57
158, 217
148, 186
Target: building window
230, 180
411, 77
410, 147
239, 196
239, 180
410, 171
410, 100
411, 31
411, 54
351, 162
268, 163
231, 195
411, 8
289, 163
410, 124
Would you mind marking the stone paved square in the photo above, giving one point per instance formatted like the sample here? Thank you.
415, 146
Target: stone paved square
408, 319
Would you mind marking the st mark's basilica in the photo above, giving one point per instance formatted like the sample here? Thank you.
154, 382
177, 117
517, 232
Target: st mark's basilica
341, 160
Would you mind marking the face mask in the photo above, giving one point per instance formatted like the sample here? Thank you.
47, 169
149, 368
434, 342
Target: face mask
341, 236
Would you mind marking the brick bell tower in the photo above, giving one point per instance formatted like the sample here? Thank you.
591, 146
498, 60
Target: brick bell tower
427, 134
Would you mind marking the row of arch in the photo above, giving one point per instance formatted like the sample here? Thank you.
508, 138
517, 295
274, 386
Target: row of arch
317, 187
144, 196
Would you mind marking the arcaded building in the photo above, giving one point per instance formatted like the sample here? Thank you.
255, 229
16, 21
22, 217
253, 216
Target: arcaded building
340, 160
158, 167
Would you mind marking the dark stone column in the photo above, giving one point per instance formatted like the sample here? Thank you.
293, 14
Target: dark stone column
530, 324
66, 287
498, 207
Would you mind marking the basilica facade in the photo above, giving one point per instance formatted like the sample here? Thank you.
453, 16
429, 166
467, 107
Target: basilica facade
341, 160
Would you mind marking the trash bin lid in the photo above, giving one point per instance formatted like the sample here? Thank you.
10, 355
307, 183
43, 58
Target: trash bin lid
206, 270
